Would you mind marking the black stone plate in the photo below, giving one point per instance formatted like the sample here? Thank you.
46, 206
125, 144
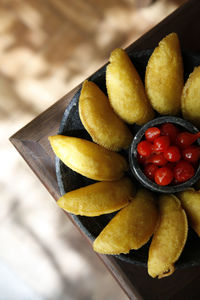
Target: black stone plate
69, 180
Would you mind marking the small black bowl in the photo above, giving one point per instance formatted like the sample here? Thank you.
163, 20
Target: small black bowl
135, 167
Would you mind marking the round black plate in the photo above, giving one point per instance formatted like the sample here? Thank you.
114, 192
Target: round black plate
69, 180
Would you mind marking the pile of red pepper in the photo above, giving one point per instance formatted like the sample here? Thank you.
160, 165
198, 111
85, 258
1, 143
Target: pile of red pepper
168, 155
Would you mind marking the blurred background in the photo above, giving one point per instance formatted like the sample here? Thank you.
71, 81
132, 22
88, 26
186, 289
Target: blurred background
47, 47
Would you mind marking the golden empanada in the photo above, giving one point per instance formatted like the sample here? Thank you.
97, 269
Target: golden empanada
130, 228
164, 76
126, 91
190, 100
190, 200
98, 198
88, 158
99, 119
169, 238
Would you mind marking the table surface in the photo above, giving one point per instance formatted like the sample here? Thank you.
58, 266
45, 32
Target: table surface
31, 141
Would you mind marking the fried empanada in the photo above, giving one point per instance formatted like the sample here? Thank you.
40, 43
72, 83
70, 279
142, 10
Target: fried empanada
190, 99
190, 200
98, 198
130, 228
99, 119
126, 91
88, 158
164, 76
169, 238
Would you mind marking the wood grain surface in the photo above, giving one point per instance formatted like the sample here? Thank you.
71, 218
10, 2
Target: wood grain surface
31, 141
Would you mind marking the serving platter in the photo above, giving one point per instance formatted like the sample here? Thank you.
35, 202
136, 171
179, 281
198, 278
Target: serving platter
69, 180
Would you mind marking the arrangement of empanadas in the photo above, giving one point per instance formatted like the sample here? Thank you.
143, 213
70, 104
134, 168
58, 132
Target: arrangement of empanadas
140, 214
